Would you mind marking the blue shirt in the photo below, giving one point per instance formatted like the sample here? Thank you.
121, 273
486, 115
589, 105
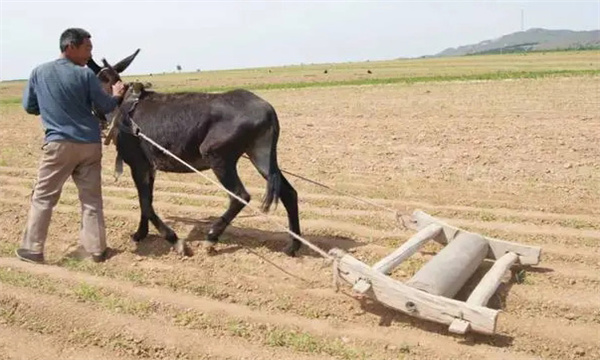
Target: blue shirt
63, 93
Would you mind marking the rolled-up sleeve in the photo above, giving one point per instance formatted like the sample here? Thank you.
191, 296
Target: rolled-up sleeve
100, 99
30, 101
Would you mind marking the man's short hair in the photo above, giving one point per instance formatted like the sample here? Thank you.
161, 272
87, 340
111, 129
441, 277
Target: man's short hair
73, 36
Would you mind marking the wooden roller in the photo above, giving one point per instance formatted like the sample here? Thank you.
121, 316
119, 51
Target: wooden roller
447, 272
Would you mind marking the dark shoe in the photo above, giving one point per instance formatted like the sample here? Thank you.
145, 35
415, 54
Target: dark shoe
30, 257
100, 258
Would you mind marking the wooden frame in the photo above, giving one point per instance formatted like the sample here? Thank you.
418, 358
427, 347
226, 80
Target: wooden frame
528, 255
446, 273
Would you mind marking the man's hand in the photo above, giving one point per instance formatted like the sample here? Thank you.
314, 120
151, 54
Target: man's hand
118, 89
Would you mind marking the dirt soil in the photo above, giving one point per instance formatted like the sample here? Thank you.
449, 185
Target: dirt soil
517, 160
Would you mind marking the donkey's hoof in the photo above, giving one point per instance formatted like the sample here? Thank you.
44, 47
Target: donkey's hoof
212, 236
180, 248
137, 237
290, 251
171, 237
209, 247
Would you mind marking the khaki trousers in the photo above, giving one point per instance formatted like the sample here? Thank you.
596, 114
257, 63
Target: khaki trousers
60, 160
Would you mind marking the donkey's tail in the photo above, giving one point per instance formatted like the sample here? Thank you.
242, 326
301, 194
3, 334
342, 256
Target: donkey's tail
274, 175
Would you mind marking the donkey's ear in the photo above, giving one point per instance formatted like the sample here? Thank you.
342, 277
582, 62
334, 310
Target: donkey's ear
123, 64
92, 65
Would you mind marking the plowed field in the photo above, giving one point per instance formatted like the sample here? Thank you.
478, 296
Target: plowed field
513, 159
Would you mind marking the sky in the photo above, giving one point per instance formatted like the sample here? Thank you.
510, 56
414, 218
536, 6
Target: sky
215, 35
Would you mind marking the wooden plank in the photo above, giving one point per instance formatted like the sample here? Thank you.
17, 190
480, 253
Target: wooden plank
361, 286
414, 302
485, 289
459, 326
528, 255
447, 272
490, 282
388, 263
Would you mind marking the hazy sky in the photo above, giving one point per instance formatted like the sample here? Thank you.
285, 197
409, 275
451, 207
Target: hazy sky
234, 34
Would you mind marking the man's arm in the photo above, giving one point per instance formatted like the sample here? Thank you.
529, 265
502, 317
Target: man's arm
30, 101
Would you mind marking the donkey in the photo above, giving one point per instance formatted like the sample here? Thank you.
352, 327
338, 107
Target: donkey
208, 131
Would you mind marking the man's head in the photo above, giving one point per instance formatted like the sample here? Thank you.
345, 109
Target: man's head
75, 45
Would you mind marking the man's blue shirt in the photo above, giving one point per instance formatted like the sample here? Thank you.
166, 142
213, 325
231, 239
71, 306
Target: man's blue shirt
63, 93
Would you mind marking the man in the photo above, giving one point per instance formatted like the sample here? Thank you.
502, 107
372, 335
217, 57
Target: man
62, 92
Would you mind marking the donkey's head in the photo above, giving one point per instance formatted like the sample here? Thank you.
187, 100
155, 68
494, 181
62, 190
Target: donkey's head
109, 75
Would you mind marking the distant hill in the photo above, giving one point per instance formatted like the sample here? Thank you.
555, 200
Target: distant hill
530, 40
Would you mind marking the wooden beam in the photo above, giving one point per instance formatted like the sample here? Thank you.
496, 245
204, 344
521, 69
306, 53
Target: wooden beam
528, 255
361, 286
485, 289
447, 272
490, 282
414, 302
459, 326
388, 263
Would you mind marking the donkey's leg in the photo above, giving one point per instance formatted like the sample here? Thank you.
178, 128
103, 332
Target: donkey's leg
259, 154
145, 200
143, 176
289, 198
226, 172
